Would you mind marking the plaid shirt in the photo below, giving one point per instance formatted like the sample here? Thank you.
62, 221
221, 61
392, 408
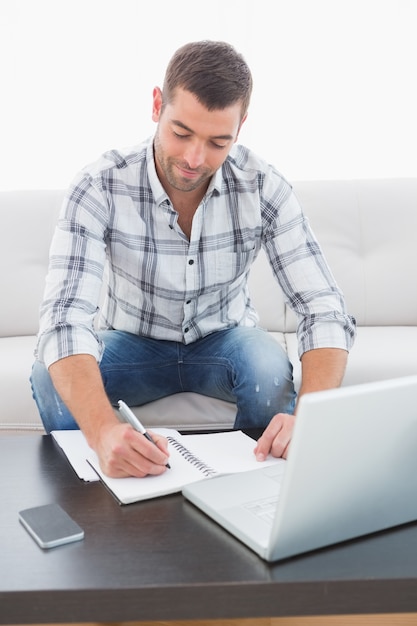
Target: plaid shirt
118, 224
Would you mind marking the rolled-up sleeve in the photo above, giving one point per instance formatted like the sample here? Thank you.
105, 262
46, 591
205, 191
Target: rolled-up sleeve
304, 275
74, 279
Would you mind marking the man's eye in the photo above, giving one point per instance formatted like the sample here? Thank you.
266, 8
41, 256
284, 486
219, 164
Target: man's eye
218, 146
178, 136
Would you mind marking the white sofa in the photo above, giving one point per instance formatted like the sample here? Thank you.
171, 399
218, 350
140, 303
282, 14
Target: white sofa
367, 228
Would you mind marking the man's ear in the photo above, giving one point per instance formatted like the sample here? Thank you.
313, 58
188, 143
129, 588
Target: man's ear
240, 126
156, 104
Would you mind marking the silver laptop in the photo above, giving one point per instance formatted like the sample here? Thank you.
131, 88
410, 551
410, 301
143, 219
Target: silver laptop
352, 470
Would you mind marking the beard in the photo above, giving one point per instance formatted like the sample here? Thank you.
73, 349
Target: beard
171, 169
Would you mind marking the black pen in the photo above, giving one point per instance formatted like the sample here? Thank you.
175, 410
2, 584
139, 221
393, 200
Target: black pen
135, 423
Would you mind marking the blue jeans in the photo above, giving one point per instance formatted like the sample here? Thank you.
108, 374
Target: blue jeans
242, 365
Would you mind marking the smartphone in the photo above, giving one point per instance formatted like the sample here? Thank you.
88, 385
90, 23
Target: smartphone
50, 525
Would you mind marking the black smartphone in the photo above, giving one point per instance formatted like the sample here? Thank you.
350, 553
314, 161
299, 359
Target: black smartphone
50, 525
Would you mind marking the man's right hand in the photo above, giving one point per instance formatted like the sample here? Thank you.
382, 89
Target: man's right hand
122, 452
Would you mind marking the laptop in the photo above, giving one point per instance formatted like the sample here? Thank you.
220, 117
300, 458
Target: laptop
351, 471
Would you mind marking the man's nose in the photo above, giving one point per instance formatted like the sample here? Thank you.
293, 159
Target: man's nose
194, 155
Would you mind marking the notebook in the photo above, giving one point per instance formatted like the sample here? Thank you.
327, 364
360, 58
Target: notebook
351, 471
192, 458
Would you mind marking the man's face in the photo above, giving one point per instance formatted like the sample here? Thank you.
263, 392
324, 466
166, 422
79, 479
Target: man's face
191, 143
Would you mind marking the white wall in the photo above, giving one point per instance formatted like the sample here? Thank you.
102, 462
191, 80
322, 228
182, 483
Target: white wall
335, 81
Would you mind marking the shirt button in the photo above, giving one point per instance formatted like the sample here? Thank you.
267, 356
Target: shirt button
188, 302
190, 262
186, 330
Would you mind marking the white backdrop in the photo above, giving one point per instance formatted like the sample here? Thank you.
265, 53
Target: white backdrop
334, 95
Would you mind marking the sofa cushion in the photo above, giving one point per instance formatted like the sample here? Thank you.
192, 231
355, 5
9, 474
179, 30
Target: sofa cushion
18, 409
28, 221
184, 411
379, 353
367, 230
187, 411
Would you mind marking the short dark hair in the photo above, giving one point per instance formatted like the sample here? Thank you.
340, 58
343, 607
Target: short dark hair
213, 71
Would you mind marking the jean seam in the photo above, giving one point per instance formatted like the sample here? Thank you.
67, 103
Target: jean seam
179, 365
130, 366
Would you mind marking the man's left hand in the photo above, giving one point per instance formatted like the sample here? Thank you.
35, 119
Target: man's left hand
276, 438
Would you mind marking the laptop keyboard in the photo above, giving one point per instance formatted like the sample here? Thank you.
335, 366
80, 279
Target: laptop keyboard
264, 508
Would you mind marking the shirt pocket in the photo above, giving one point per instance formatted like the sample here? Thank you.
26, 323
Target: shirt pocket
231, 266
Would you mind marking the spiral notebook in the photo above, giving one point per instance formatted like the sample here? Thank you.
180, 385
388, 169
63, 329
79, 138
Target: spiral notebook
192, 458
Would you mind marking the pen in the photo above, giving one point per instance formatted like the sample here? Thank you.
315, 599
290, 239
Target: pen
134, 421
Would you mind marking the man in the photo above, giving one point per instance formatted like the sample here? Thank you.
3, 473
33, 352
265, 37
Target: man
179, 220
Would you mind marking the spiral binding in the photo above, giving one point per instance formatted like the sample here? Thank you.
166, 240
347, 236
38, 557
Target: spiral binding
192, 459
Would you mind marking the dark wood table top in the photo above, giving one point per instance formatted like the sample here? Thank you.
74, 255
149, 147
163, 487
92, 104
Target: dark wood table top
163, 559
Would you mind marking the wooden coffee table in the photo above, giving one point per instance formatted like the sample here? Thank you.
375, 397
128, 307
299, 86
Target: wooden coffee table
164, 560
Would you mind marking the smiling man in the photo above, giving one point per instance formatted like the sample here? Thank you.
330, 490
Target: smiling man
178, 221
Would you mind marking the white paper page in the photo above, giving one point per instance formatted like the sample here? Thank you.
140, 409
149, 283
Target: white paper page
76, 449
227, 452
